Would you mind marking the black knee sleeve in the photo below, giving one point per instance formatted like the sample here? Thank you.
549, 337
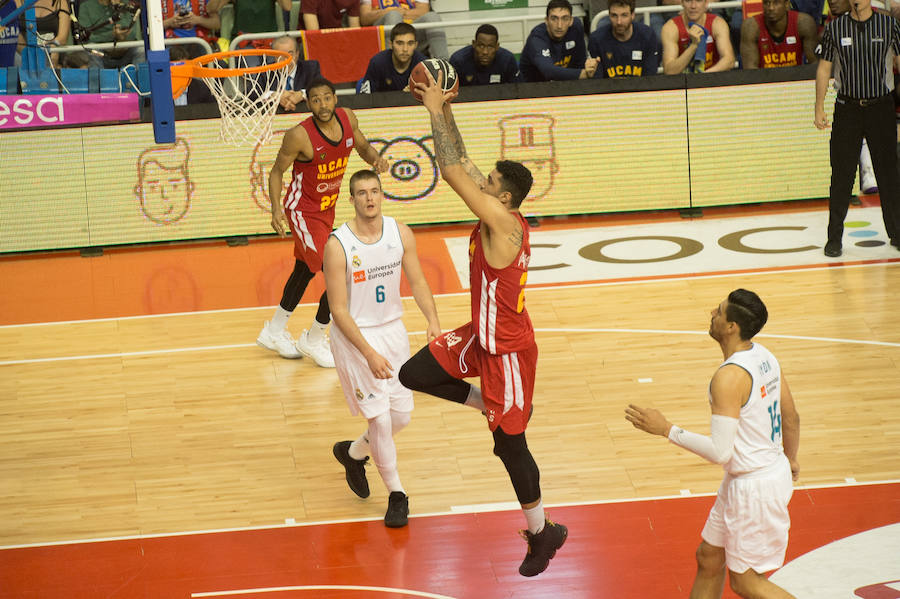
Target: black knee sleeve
323, 316
523, 471
423, 373
295, 286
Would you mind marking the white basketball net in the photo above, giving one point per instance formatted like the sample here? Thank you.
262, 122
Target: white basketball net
247, 102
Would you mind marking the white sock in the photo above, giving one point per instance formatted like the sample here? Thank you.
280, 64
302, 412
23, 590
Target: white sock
474, 399
279, 320
535, 517
359, 449
316, 331
384, 452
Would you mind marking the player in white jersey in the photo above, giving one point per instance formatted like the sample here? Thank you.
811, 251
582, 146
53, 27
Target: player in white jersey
755, 435
362, 265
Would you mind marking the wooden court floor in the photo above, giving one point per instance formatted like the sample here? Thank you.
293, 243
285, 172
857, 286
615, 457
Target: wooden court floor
125, 421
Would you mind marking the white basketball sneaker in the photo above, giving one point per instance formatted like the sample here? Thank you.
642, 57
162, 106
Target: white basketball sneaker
867, 182
280, 342
320, 352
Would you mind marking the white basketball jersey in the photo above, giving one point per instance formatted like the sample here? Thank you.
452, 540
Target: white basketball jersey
373, 274
758, 441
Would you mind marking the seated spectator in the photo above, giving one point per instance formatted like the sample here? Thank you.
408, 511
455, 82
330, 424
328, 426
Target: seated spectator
696, 41
778, 37
815, 9
555, 49
197, 91
9, 37
300, 74
389, 69
624, 48
329, 14
79, 59
485, 61
52, 22
120, 26
251, 16
189, 18
391, 12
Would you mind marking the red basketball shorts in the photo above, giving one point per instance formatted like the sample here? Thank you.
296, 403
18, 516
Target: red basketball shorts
507, 380
310, 232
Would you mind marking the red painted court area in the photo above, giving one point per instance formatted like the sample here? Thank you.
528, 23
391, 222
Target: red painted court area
633, 549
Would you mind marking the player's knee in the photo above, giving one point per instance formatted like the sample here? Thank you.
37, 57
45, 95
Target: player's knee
399, 421
710, 559
744, 585
411, 373
509, 447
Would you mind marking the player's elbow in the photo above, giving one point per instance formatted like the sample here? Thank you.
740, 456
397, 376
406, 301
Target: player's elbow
722, 455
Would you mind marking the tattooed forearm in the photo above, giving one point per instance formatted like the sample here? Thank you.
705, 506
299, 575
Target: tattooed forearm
444, 147
470, 168
515, 237
473, 172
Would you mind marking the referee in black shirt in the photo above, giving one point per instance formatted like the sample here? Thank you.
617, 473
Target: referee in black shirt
861, 45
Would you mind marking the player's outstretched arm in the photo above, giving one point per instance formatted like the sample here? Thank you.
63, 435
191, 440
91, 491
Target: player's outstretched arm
295, 145
487, 208
364, 148
334, 267
790, 427
466, 162
418, 283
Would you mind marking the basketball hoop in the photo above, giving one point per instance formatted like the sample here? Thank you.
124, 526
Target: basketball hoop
247, 85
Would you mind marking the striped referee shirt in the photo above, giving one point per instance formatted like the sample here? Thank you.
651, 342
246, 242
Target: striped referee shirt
862, 53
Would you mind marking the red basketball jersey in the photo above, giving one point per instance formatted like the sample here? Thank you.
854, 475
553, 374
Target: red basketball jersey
786, 53
684, 40
499, 317
316, 183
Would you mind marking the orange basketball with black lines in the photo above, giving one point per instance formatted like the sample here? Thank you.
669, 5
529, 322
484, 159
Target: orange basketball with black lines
433, 66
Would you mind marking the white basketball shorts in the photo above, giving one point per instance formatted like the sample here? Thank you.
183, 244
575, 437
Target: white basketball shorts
364, 393
750, 518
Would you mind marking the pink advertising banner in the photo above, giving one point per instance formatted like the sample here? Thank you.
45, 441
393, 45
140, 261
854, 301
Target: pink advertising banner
22, 112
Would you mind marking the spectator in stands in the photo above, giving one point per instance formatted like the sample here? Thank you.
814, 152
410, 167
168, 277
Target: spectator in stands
624, 48
301, 73
389, 69
113, 25
779, 37
52, 21
815, 9
329, 14
251, 16
391, 12
485, 61
555, 49
696, 41
78, 59
197, 91
9, 37
189, 18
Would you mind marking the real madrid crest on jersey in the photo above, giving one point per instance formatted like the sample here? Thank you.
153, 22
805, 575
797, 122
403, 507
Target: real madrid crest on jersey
356, 262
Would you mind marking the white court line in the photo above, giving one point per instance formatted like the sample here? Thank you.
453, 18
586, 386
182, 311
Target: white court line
156, 352
428, 515
321, 587
530, 288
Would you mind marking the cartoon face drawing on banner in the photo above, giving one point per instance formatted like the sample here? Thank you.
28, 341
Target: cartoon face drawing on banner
164, 188
413, 171
261, 162
528, 138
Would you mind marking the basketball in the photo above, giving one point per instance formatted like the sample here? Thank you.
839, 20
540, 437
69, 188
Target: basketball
434, 66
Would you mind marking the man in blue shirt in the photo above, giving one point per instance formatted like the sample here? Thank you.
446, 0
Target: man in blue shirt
555, 49
9, 36
624, 48
485, 61
389, 70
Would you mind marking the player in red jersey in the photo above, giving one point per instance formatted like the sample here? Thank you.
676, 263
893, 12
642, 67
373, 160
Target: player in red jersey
779, 37
318, 148
498, 344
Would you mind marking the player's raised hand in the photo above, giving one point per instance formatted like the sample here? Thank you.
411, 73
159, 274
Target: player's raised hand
381, 165
432, 93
